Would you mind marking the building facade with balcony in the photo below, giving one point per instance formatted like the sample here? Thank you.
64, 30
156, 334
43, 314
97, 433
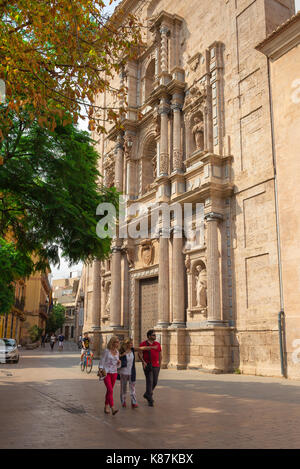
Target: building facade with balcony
31, 308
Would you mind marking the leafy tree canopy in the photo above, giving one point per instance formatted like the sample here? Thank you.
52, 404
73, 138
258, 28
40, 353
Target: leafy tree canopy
14, 265
59, 55
49, 192
56, 319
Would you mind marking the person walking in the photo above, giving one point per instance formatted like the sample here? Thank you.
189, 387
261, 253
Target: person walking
43, 340
108, 364
61, 339
151, 364
52, 340
80, 342
127, 372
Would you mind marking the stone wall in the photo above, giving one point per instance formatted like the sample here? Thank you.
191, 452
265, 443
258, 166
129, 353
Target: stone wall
207, 69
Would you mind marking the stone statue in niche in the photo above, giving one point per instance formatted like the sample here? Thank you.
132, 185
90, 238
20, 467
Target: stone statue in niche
157, 124
198, 133
201, 287
107, 303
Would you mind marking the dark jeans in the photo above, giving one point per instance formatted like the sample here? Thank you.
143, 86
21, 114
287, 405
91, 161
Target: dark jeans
151, 382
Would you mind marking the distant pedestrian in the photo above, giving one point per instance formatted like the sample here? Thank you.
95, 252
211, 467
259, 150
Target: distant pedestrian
61, 339
43, 340
108, 365
52, 341
127, 372
151, 364
80, 342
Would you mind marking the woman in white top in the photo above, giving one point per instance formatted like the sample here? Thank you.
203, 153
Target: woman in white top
109, 363
127, 371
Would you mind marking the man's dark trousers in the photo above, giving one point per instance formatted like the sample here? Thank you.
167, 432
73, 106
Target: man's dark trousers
151, 381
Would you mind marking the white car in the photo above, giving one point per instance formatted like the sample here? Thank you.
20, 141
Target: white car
9, 351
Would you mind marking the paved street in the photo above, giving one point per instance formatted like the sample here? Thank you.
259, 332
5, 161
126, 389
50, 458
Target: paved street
47, 402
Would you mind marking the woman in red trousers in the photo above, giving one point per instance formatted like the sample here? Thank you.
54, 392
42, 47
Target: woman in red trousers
109, 363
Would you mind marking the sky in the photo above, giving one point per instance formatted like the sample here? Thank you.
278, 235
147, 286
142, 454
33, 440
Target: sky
65, 269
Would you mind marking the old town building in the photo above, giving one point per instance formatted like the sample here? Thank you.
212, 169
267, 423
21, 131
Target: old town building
199, 130
31, 308
283, 51
64, 293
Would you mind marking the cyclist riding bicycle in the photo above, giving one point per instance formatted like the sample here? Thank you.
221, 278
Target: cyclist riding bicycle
86, 341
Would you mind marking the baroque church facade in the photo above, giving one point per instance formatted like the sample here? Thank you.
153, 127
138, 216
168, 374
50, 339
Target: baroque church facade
197, 130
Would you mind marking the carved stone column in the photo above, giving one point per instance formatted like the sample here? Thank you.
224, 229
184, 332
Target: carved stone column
119, 150
164, 31
115, 296
96, 308
96, 296
163, 279
177, 148
130, 165
157, 55
213, 270
164, 110
188, 124
178, 269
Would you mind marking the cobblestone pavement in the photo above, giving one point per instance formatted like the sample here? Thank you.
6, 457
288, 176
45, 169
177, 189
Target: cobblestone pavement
47, 402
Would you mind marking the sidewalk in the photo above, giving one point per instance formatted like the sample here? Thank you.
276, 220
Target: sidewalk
46, 401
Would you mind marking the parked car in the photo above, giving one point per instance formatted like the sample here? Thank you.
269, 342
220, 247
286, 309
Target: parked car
9, 351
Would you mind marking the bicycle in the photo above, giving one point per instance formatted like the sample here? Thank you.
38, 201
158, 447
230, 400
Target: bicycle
87, 362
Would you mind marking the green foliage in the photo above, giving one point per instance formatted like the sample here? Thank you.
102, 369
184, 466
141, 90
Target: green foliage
35, 333
49, 192
56, 319
14, 265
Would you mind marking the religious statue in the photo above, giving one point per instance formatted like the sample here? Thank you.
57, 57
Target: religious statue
157, 124
201, 287
198, 132
107, 304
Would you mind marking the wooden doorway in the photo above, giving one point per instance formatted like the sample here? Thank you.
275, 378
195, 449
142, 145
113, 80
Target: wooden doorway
148, 301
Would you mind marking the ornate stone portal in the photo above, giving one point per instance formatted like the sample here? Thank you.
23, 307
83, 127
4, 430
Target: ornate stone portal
173, 147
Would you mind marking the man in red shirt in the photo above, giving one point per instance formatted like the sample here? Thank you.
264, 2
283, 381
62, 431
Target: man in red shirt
151, 360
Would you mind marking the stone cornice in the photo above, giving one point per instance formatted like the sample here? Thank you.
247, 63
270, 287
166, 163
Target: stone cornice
282, 39
165, 18
206, 190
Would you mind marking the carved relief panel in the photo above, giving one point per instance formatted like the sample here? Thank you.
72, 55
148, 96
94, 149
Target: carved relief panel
203, 107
